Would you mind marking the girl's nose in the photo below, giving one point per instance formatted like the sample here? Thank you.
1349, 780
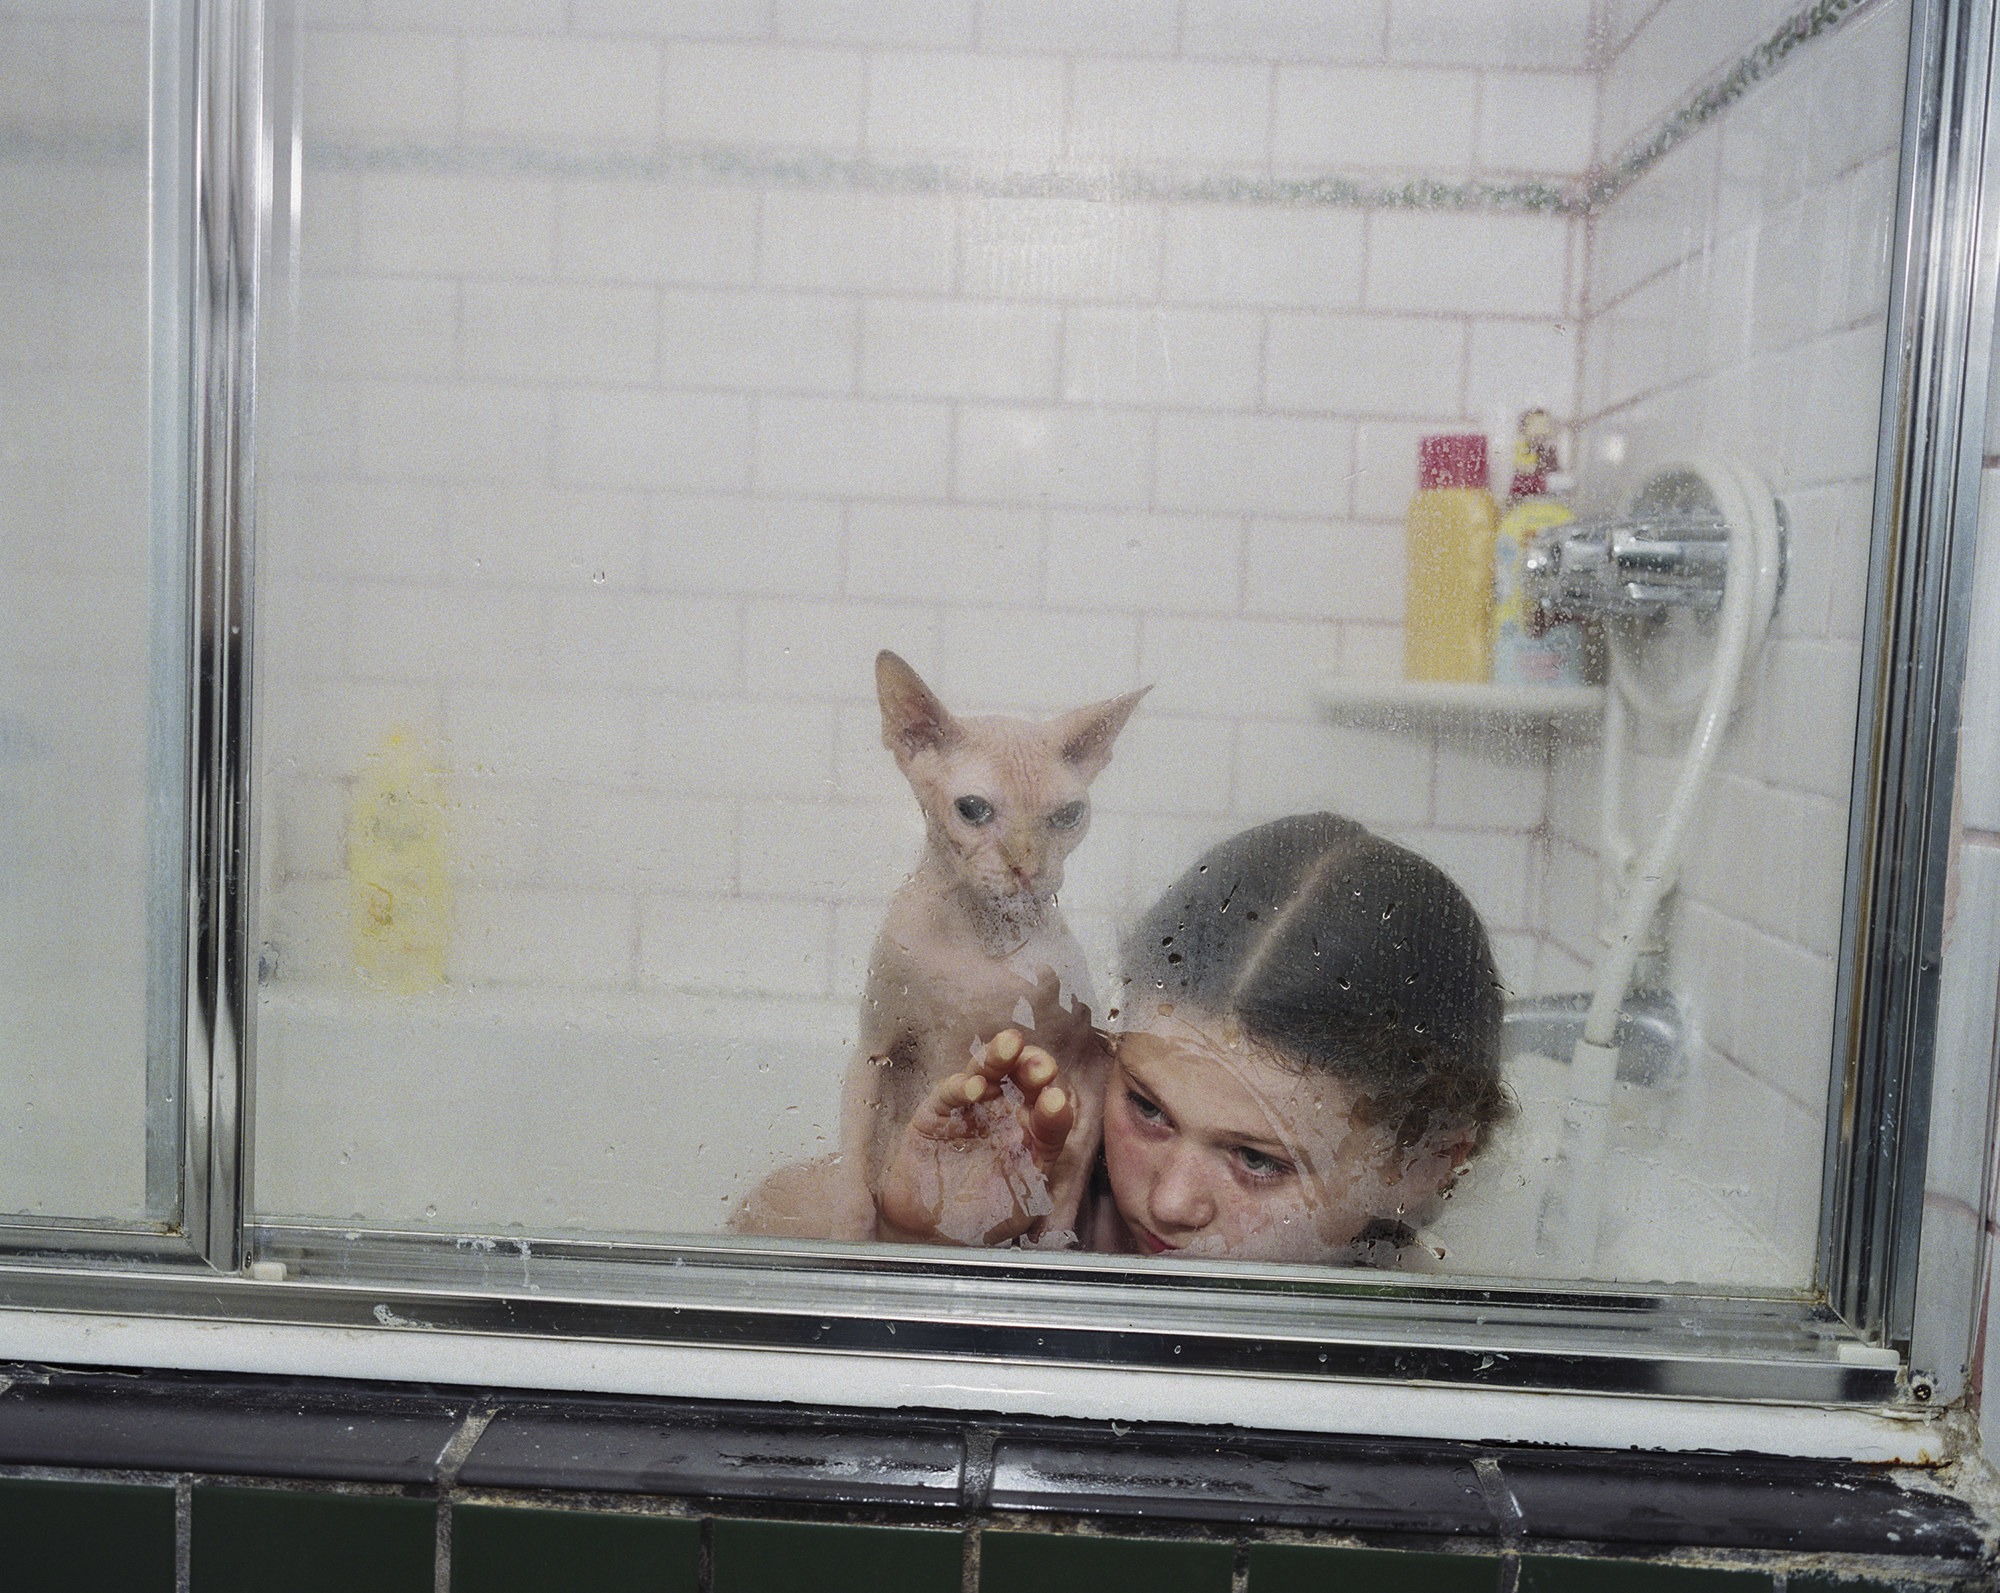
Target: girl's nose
1183, 1194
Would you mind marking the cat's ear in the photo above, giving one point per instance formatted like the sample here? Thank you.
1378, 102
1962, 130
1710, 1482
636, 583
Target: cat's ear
913, 720
1084, 736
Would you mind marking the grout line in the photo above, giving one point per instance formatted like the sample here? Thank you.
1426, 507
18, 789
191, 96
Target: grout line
183, 1533
704, 1557
969, 1553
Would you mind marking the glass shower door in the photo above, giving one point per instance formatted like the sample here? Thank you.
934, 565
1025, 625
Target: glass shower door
91, 696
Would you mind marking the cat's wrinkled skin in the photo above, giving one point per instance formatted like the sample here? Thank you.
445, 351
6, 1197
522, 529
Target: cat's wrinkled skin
974, 942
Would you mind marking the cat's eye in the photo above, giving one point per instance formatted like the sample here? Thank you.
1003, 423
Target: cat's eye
1067, 817
974, 809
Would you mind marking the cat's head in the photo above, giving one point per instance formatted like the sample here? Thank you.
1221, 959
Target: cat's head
1005, 800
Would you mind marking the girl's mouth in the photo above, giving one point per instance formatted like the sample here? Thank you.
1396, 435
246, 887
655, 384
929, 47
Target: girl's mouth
1152, 1241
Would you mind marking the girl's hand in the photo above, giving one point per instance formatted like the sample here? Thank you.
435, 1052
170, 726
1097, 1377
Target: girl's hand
972, 1166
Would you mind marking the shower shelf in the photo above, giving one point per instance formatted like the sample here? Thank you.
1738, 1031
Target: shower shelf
1428, 705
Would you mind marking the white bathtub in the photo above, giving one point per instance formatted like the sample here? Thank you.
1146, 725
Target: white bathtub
641, 1115
655, 1115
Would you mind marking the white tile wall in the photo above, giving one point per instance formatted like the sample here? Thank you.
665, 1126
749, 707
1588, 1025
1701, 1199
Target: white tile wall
685, 356
1738, 268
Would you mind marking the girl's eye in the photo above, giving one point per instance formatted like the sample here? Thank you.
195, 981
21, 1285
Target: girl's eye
1260, 1164
974, 809
1067, 817
1145, 1109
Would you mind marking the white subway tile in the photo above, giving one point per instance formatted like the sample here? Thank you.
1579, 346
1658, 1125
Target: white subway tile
544, 735
701, 944
1541, 122
644, 641
1371, 650
492, 636
445, 430
1067, 249
1377, 776
1286, 30
1315, 569
689, 19
1402, 118
1204, 359
1979, 736
332, 726
496, 831
951, 348
1228, 254
613, 838
1494, 784
696, 544
879, 243
395, 530
1472, 264
485, 16
765, 94
797, 342
590, 91
1961, 1143
736, 747
1514, 366
1385, 466
826, 650
765, 947
1490, 866
1255, 464
1557, 33
1152, 563
327, 230
1077, 27
1366, 364
865, 447
1787, 1022
1807, 710
919, 24
546, 536
379, 326
941, 552
457, 224
1085, 458
1079, 656
1232, 668
560, 332
308, 820
358, 81
656, 232
941, 105
1126, 111
821, 851
637, 437
1168, 763
564, 938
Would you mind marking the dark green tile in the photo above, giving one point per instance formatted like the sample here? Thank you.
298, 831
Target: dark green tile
261, 1540
1834, 1582
499, 1550
1552, 1575
1304, 1568
792, 1557
83, 1537
1034, 1562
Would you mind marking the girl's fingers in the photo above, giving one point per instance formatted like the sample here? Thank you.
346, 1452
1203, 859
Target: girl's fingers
1049, 1123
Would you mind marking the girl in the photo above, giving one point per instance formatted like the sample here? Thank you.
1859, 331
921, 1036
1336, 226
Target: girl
1307, 1058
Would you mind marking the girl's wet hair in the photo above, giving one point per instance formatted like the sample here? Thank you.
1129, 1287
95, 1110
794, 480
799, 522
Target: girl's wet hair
1337, 950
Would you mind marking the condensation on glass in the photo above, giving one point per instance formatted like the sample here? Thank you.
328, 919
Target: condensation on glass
629, 387
93, 713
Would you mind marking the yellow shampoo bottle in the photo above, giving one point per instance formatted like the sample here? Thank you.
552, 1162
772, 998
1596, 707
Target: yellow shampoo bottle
400, 886
1447, 632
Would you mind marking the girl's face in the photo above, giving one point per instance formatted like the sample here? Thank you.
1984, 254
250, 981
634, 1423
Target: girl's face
1215, 1149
